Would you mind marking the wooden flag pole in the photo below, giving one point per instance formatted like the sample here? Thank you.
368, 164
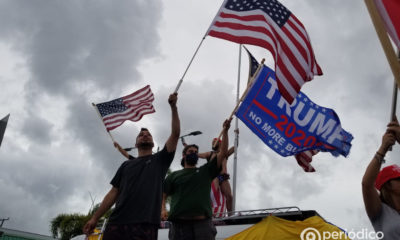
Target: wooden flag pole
394, 95
98, 113
384, 39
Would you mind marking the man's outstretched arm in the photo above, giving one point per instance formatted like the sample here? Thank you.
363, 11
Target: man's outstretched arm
175, 124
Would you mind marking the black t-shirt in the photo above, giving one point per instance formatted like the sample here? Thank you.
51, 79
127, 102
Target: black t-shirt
139, 182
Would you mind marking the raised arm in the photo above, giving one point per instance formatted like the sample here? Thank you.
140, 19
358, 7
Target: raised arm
224, 144
175, 124
105, 205
204, 155
371, 198
121, 150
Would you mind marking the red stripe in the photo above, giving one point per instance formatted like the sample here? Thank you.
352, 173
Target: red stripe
146, 88
248, 18
122, 121
243, 40
266, 110
146, 96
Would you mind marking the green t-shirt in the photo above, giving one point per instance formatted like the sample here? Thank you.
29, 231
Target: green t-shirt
189, 189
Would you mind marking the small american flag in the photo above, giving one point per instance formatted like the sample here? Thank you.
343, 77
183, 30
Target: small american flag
218, 201
131, 107
269, 24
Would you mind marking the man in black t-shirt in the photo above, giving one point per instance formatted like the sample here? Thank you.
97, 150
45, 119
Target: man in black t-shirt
137, 186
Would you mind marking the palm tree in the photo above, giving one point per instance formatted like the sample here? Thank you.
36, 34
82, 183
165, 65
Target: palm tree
66, 226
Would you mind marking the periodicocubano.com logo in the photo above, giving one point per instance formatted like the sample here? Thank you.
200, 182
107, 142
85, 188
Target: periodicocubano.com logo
313, 234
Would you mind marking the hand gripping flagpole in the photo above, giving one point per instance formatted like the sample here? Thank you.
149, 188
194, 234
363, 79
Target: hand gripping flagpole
98, 113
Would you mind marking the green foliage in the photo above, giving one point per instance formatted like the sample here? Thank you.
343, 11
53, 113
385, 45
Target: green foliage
66, 226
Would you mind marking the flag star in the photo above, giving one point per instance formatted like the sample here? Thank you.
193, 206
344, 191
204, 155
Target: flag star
323, 110
316, 106
270, 142
305, 99
276, 146
311, 104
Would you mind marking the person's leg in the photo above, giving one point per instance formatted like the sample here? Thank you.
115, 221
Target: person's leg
226, 190
204, 230
142, 231
179, 231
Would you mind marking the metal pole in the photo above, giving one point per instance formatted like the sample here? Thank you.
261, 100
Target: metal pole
236, 135
191, 60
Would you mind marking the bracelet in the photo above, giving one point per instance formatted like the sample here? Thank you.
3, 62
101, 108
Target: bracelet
380, 157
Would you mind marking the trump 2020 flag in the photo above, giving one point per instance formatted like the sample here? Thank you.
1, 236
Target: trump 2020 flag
131, 107
270, 25
291, 129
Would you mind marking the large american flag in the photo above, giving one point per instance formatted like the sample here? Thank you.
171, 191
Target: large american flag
269, 24
131, 107
390, 13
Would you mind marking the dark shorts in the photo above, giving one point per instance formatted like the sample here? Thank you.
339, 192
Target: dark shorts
136, 231
192, 230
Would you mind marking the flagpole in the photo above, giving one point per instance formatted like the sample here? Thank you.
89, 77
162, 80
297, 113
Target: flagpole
246, 91
394, 95
384, 39
98, 113
190, 63
236, 135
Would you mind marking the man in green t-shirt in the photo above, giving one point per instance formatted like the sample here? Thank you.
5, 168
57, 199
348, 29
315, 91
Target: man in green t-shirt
189, 188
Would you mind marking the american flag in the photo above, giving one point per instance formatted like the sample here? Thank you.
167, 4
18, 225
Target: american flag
218, 201
269, 24
131, 107
390, 13
304, 160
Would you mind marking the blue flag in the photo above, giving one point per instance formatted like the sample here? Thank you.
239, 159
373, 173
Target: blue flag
291, 129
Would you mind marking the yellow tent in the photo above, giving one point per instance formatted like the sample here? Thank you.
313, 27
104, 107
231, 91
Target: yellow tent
275, 228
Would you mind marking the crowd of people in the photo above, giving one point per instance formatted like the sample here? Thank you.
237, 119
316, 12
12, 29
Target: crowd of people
140, 188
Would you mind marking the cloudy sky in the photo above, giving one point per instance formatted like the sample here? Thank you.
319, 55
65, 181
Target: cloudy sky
57, 57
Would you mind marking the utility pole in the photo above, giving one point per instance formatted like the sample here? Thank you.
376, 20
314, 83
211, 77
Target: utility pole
2, 221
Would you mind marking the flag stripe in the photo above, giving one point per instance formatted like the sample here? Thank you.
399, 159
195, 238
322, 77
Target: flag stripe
131, 114
250, 23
